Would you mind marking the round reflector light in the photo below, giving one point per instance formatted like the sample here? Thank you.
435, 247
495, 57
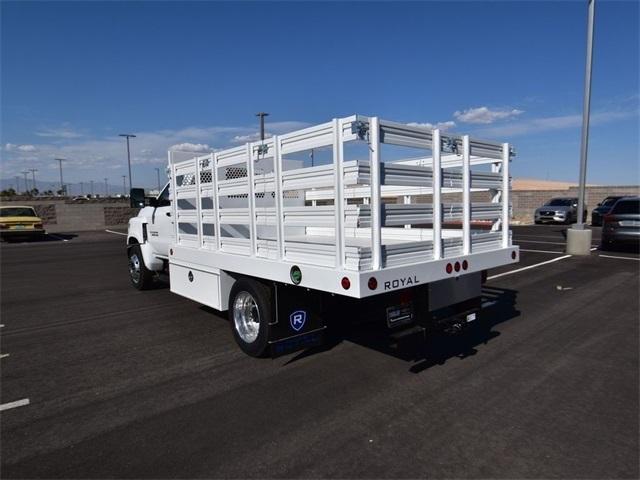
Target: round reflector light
373, 283
513, 255
449, 268
457, 266
345, 283
296, 275
465, 264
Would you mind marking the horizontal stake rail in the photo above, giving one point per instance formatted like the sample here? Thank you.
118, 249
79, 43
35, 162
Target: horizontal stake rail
258, 200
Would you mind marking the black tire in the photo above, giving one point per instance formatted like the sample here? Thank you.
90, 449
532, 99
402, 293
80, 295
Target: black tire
252, 341
537, 222
141, 277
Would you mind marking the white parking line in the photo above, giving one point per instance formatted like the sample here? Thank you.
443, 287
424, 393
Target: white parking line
535, 265
17, 403
528, 267
117, 233
620, 258
4, 355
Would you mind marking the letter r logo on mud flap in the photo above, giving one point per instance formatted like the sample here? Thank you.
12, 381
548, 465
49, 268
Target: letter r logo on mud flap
297, 319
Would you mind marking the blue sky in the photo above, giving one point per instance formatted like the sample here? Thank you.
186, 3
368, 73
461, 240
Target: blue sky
76, 74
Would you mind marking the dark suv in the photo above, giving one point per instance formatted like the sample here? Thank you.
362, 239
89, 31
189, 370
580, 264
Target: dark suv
622, 224
602, 209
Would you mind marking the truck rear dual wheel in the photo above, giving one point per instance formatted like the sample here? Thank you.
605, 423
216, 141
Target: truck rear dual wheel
250, 313
141, 277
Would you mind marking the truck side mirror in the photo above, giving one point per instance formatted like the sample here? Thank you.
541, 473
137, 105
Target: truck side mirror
136, 198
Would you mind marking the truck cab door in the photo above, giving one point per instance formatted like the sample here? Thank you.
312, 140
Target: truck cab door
161, 224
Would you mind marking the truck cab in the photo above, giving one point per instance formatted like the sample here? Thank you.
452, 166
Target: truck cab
149, 235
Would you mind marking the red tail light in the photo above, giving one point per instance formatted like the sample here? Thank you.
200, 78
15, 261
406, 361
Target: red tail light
346, 283
457, 266
449, 268
608, 220
37, 225
4, 226
373, 283
465, 264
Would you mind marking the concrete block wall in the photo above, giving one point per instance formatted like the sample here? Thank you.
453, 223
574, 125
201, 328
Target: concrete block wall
61, 215
525, 202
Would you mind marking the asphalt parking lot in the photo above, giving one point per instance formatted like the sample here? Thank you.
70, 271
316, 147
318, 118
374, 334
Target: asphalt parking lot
121, 383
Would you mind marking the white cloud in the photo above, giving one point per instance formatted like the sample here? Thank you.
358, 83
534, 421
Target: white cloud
543, 124
191, 147
484, 115
12, 147
61, 132
96, 157
441, 125
251, 137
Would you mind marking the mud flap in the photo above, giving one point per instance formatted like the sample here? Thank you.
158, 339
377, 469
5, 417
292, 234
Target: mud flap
298, 320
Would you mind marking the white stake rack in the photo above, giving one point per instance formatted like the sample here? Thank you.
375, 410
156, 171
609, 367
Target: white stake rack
257, 210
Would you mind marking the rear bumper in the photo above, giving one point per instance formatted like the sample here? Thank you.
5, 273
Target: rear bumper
22, 233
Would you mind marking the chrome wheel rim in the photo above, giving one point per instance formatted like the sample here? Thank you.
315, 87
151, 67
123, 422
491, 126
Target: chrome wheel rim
246, 317
134, 267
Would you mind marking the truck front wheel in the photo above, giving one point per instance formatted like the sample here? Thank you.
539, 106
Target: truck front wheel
141, 277
250, 313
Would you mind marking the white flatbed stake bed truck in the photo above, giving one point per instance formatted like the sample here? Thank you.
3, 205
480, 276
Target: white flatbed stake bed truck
288, 232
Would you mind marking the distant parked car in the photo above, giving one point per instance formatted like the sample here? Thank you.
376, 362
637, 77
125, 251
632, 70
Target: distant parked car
622, 224
602, 209
558, 210
20, 221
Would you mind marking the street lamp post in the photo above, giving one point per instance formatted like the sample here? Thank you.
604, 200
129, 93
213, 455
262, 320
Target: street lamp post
18, 184
33, 175
262, 115
26, 185
60, 160
578, 237
106, 187
91, 182
128, 136
82, 188
124, 185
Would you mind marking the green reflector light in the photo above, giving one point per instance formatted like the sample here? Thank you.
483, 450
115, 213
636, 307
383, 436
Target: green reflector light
296, 275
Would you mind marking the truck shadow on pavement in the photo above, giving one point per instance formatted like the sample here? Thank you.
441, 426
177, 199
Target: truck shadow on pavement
422, 348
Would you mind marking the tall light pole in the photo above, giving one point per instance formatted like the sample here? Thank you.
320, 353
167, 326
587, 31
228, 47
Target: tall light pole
91, 182
26, 185
106, 187
124, 185
60, 160
579, 238
128, 136
82, 188
18, 184
158, 173
33, 175
262, 115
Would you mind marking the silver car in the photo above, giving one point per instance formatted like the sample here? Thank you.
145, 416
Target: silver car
622, 224
558, 210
